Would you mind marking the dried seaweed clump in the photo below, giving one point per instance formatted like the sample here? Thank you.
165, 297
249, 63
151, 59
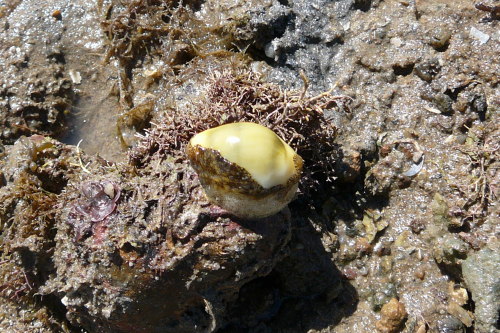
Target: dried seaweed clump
479, 189
244, 96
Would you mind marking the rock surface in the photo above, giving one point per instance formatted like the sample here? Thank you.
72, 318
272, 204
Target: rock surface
401, 197
481, 276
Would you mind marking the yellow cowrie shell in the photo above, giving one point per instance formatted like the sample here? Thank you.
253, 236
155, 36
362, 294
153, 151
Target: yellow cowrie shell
245, 168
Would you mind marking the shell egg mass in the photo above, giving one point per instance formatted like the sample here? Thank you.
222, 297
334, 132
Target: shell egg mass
245, 168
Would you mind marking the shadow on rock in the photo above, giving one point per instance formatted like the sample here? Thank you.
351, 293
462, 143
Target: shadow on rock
304, 291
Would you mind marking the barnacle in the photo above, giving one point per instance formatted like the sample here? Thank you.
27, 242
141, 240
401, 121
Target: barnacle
245, 168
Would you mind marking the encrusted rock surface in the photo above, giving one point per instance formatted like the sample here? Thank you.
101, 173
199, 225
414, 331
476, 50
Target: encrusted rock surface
399, 199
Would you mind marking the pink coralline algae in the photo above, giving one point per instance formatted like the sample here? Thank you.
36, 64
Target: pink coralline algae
97, 202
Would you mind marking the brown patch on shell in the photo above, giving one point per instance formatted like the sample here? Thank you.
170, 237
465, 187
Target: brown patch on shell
216, 171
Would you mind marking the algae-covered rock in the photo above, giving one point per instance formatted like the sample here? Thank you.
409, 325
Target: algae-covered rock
138, 254
34, 171
116, 251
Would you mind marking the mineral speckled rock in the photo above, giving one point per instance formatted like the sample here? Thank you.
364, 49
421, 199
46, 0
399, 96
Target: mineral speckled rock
393, 314
480, 271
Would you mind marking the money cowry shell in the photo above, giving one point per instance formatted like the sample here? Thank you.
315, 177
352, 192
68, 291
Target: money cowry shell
245, 168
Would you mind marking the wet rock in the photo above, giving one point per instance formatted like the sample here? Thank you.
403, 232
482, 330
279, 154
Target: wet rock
370, 57
313, 271
134, 257
460, 313
480, 271
304, 279
449, 253
141, 279
36, 89
472, 100
428, 69
266, 24
385, 174
443, 102
449, 324
123, 250
35, 171
440, 210
418, 225
17, 319
393, 314
383, 294
366, 145
457, 294
440, 100
439, 38
349, 167
300, 35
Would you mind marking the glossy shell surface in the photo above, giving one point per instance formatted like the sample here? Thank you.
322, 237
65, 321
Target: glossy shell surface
245, 168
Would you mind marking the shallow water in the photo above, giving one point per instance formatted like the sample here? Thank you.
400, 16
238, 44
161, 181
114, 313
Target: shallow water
92, 122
